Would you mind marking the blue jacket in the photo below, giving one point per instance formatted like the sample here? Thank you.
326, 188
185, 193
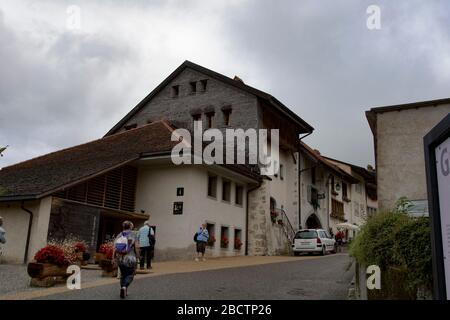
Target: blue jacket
202, 235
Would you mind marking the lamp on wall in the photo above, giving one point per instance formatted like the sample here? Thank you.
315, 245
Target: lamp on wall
337, 187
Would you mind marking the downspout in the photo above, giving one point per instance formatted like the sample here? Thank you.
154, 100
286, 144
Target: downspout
30, 224
300, 182
328, 199
246, 217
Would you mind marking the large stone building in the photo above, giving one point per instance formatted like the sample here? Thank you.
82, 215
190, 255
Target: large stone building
398, 133
87, 190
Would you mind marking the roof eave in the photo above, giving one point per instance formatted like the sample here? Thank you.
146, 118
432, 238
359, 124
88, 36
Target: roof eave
19, 198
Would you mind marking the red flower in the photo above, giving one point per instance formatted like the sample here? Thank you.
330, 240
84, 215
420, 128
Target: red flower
237, 243
107, 249
80, 247
224, 241
211, 240
51, 254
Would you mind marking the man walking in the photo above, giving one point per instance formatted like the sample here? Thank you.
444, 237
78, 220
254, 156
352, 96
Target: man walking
2, 232
146, 242
202, 237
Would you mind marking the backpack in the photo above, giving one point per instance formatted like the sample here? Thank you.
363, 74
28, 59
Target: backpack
151, 237
121, 244
195, 237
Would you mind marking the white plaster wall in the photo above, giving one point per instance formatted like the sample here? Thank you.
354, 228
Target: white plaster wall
305, 180
285, 191
400, 157
156, 193
16, 221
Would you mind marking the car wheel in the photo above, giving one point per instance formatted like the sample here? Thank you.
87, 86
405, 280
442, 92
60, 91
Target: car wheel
324, 251
296, 254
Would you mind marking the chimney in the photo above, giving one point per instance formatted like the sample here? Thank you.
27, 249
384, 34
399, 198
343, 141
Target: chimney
236, 78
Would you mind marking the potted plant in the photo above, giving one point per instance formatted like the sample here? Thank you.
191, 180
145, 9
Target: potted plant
211, 241
50, 265
104, 252
80, 249
224, 242
107, 263
237, 244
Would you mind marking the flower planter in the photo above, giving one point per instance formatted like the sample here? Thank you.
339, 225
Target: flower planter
46, 274
43, 270
99, 257
108, 267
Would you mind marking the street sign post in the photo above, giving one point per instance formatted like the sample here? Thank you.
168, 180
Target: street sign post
437, 161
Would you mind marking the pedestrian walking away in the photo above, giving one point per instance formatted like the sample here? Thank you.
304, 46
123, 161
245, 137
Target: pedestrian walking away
2, 236
201, 238
146, 239
125, 247
2, 232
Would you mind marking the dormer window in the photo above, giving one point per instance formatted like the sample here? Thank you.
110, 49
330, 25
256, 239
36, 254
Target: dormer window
203, 84
175, 92
226, 115
196, 119
193, 86
209, 120
130, 126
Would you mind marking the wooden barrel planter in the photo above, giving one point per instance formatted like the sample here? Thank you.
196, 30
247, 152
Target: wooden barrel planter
109, 270
99, 257
46, 274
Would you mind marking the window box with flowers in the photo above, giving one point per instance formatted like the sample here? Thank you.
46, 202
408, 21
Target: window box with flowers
237, 244
211, 241
224, 242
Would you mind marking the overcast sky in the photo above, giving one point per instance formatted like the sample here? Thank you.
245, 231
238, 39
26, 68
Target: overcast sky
61, 85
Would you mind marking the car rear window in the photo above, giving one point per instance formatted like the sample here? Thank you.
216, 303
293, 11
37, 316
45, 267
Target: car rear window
306, 234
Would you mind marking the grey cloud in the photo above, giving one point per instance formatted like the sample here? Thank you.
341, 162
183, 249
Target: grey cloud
317, 57
324, 63
56, 97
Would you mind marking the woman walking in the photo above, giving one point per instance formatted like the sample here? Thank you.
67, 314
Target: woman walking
125, 256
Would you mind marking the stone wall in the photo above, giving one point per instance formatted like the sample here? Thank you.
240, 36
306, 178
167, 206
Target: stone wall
264, 237
178, 110
258, 208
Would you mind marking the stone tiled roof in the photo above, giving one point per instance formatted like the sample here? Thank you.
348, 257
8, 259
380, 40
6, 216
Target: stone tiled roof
52, 172
48, 173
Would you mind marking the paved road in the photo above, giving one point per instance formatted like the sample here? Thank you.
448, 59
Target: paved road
322, 278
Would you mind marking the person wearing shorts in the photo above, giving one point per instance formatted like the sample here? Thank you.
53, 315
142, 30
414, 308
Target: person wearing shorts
202, 239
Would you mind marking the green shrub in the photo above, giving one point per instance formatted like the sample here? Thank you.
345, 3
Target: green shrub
400, 245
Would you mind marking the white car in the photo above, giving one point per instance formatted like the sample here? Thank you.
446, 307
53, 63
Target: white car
313, 240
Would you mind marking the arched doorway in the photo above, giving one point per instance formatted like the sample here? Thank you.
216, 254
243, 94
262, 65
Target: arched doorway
313, 222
